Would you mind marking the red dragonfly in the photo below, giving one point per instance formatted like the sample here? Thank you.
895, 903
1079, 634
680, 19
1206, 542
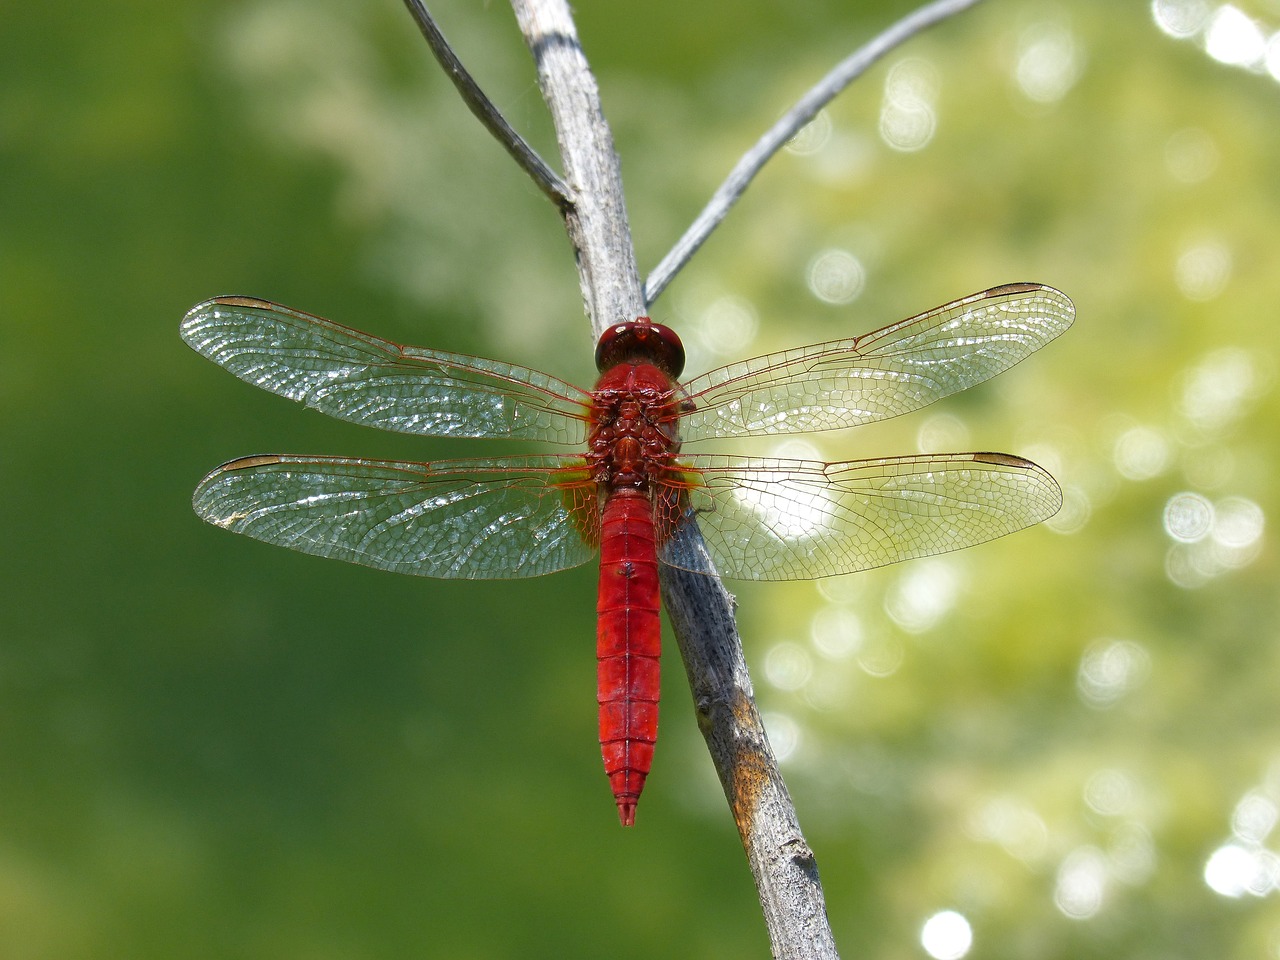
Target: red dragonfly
628, 490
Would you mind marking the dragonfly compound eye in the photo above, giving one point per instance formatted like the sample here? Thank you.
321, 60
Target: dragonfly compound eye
641, 341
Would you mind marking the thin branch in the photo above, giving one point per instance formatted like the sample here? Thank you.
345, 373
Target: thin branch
782, 863
788, 125
700, 608
546, 178
597, 221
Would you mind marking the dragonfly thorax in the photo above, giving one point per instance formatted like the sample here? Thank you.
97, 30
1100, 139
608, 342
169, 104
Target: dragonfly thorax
633, 434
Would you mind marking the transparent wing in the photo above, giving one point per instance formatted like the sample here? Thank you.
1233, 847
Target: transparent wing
458, 519
768, 519
361, 378
891, 371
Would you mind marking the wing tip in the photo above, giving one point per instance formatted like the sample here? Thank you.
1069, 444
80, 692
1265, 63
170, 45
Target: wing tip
206, 310
1066, 304
1047, 480
217, 473
191, 326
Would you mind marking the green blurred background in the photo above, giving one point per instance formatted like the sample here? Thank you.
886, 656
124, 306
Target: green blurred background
214, 748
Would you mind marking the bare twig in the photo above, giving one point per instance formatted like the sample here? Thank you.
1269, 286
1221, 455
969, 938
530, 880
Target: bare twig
788, 125
546, 178
597, 221
700, 608
782, 864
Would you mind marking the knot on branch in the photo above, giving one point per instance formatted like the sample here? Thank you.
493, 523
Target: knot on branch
800, 855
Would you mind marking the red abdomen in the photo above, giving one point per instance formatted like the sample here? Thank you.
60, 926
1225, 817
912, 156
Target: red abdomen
628, 642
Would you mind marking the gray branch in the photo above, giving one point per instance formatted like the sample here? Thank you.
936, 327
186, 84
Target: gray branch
788, 125
700, 609
782, 864
597, 220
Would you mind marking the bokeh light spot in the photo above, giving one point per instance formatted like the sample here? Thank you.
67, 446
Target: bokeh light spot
923, 595
1187, 567
1109, 792
1202, 270
946, 935
836, 276
1081, 883
1109, 669
788, 666
1216, 390
1254, 817
1238, 523
1233, 38
1213, 538
1076, 510
1234, 870
941, 432
1048, 62
1181, 18
881, 656
836, 632
1188, 517
908, 120
1141, 453
727, 325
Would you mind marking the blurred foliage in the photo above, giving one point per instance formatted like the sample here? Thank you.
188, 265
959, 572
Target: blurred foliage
212, 748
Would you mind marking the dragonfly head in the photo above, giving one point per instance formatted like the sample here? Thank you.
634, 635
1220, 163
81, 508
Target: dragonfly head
641, 341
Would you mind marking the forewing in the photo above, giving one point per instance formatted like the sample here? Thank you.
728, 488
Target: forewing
768, 519
358, 377
459, 519
891, 371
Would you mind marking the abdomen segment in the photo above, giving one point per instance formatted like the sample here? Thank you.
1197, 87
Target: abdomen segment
628, 643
